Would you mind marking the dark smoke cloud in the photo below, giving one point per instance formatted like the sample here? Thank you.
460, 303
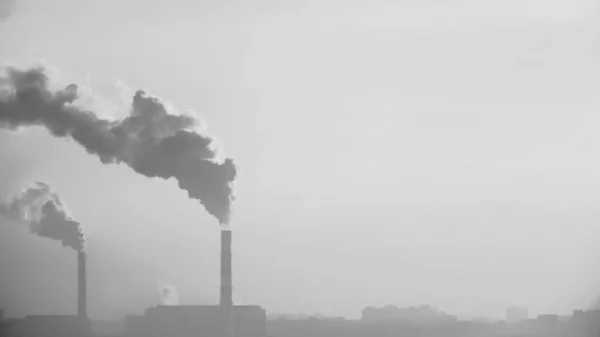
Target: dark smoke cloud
7, 8
152, 140
46, 216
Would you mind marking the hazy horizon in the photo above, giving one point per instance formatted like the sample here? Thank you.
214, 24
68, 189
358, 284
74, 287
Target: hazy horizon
404, 153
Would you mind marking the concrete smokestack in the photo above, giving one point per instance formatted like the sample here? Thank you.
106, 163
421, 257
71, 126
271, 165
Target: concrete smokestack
81, 286
226, 277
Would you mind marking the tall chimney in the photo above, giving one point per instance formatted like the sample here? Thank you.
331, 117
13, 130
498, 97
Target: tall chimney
226, 278
81, 285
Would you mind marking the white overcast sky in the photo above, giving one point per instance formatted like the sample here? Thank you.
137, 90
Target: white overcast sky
391, 152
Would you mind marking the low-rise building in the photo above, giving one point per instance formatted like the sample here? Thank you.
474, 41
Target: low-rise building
197, 321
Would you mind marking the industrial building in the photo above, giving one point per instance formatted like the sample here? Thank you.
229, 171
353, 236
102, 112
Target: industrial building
223, 320
197, 321
50, 326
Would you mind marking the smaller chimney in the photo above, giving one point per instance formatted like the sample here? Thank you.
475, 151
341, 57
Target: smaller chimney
81, 286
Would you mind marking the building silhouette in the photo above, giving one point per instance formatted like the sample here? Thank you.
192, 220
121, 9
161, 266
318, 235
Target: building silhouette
196, 321
50, 326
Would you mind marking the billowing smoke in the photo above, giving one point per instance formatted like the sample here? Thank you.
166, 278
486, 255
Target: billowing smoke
168, 294
152, 140
45, 214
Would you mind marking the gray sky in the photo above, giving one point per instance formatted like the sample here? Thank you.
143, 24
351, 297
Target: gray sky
399, 152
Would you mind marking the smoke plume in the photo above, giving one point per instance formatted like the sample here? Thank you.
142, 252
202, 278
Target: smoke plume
45, 214
152, 140
168, 294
